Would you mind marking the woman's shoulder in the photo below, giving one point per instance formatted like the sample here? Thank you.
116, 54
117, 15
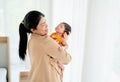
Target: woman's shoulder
50, 40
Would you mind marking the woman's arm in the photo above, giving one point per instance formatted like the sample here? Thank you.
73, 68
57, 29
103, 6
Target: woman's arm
64, 43
52, 49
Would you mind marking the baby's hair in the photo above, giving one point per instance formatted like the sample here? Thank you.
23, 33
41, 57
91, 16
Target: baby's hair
67, 28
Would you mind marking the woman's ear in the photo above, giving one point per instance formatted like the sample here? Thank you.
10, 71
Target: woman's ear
32, 30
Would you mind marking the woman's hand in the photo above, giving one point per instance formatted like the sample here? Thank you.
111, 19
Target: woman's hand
61, 66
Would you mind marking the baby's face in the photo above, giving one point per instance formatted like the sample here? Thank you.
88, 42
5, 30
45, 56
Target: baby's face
60, 28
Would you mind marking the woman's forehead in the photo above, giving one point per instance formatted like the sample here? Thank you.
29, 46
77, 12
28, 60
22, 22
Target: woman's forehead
42, 20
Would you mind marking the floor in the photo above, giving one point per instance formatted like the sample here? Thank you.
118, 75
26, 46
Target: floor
16, 69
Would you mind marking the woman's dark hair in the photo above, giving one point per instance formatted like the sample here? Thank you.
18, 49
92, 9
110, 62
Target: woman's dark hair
29, 22
67, 28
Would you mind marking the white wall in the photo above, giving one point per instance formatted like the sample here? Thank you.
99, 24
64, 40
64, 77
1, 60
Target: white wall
2, 31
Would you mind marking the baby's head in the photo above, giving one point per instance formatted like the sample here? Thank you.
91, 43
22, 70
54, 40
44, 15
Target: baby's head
63, 28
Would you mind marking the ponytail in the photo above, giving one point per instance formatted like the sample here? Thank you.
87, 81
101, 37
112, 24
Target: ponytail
30, 21
23, 41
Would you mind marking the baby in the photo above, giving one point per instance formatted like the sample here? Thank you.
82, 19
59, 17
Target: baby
60, 36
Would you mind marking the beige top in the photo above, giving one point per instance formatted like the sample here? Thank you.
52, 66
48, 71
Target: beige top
41, 51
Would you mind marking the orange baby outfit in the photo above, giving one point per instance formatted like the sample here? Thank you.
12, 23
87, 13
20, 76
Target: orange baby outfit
57, 38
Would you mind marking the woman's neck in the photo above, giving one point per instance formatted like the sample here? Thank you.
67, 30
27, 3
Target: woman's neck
39, 34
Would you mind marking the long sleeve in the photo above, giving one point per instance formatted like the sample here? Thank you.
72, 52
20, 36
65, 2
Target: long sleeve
53, 51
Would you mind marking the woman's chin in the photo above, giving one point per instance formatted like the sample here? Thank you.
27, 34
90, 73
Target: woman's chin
45, 34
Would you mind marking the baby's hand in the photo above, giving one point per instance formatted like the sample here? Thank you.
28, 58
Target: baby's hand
65, 36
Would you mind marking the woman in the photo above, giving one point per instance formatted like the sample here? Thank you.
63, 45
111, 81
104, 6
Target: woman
41, 48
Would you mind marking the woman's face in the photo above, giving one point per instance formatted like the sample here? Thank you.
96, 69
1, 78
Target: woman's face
42, 27
60, 28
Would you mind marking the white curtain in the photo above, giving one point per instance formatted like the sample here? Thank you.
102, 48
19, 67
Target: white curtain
102, 50
74, 12
116, 46
95, 34
97, 63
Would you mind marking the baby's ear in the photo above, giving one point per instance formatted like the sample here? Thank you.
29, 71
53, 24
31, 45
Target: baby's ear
69, 33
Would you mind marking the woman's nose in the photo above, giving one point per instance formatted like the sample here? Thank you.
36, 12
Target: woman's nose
46, 25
